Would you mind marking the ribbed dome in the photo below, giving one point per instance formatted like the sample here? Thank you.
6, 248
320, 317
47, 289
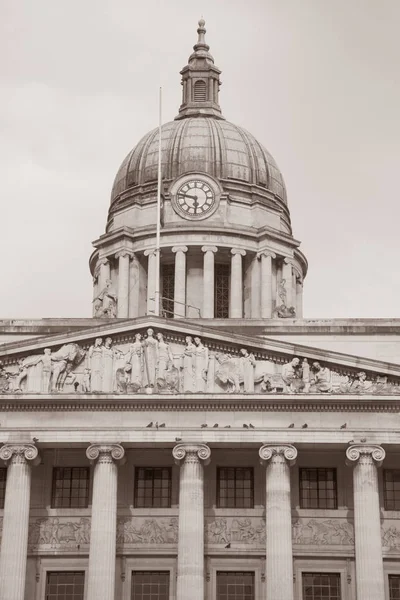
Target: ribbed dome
200, 144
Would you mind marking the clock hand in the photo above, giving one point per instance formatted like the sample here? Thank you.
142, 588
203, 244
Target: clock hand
188, 196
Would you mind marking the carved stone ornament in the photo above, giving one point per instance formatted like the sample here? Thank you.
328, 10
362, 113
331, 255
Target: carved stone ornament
19, 453
105, 453
147, 530
191, 453
240, 530
66, 533
365, 452
271, 451
321, 532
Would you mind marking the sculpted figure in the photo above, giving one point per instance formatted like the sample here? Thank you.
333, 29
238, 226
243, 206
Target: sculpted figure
64, 360
200, 365
164, 357
135, 360
106, 302
150, 358
187, 365
110, 356
305, 367
247, 369
96, 365
47, 368
291, 374
227, 371
321, 378
86, 381
282, 293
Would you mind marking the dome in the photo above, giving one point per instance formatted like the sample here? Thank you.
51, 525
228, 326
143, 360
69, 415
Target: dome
203, 144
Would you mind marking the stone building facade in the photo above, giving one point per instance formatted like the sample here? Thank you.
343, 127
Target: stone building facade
225, 449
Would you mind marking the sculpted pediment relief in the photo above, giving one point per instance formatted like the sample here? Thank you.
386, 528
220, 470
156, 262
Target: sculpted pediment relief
155, 356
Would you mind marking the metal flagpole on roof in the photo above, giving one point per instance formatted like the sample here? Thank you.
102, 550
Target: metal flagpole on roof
158, 229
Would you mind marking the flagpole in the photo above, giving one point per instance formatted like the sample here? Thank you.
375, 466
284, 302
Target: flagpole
158, 230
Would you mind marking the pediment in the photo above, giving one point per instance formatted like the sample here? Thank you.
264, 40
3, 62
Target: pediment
187, 358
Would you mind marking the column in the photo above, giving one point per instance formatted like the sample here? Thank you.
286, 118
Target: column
236, 295
96, 284
366, 459
123, 283
180, 281
255, 287
190, 584
278, 459
299, 298
14, 542
266, 283
287, 276
105, 273
211, 90
151, 282
208, 281
134, 287
103, 532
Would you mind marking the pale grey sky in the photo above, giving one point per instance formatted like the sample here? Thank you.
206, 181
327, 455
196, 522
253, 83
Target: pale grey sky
316, 81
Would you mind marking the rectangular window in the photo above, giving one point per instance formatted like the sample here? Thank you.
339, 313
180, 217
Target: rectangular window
221, 291
235, 487
70, 487
394, 587
153, 487
150, 585
391, 489
168, 291
235, 585
318, 488
321, 586
65, 585
3, 479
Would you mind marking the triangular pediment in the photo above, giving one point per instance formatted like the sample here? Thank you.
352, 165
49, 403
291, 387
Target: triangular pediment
187, 357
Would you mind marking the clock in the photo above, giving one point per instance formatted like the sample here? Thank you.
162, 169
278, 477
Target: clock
195, 198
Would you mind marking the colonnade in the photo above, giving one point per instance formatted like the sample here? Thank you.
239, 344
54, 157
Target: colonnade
263, 293
277, 458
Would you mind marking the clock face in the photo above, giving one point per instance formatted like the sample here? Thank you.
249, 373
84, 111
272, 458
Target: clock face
195, 198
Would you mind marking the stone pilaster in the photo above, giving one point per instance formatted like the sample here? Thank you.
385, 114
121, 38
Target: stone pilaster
208, 281
266, 283
365, 459
123, 283
103, 534
180, 281
278, 458
14, 542
151, 281
236, 295
190, 584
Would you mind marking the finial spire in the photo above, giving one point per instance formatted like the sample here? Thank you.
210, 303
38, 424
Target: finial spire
200, 81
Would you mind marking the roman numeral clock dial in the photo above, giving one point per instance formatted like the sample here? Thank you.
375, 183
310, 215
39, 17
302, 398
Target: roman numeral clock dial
195, 198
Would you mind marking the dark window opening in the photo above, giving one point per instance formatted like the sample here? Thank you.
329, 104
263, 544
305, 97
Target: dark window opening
70, 487
221, 291
391, 489
235, 487
150, 585
321, 586
168, 291
153, 487
235, 585
318, 488
3, 480
65, 585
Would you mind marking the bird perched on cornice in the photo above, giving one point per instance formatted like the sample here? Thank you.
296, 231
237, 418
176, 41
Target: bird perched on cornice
162, 425
251, 426
216, 425
304, 426
178, 439
344, 426
150, 424
228, 545
35, 439
204, 425
227, 427
245, 426
363, 440
291, 425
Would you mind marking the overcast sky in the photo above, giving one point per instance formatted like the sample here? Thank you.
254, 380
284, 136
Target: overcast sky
316, 81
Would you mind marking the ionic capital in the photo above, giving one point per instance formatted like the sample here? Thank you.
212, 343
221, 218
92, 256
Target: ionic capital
235, 251
289, 261
105, 453
179, 249
103, 261
209, 249
277, 452
152, 252
191, 453
19, 453
266, 254
365, 454
123, 254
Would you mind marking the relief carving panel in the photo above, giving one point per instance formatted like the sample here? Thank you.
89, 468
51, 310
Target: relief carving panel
227, 530
319, 532
147, 531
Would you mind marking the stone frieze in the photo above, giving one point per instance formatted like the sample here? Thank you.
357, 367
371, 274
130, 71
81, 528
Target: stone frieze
147, 530
227, 530
319, 532
59, 533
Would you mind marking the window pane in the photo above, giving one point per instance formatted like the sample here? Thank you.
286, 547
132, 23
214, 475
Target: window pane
65, 585
68, 485
318, 488
394, 587
3, 478
391, 489
153, 487
150, 585
235, 487
235, 585
321, 586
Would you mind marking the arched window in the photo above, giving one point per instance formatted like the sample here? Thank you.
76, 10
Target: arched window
200, 91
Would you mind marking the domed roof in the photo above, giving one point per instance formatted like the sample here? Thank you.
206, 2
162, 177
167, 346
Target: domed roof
202, 144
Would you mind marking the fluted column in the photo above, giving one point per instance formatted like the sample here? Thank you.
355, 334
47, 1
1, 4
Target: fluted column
366, 458
208, 281
134, 286
123, 282
103, 533
105, 273
190, 584
180, 281
299, 298
14, 541
278, 459
236, 295
151, 282
266, 283
287, 276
